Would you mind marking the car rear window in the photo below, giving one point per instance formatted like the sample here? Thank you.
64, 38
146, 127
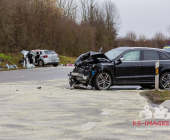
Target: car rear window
151, 55
49, 52
163, 56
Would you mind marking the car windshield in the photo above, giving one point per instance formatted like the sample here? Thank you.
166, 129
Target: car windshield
112, 54
50, 52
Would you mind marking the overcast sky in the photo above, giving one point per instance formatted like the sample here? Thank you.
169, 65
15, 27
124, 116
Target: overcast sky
144, 17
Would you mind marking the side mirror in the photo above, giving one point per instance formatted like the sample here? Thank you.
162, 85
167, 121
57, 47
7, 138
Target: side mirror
119, 61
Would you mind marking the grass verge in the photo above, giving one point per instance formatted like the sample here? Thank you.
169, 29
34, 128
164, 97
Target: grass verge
16, 57
157, 96
67, 60
11, 59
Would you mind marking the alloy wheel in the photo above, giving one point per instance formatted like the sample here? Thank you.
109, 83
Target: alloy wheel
165, 80
104, 81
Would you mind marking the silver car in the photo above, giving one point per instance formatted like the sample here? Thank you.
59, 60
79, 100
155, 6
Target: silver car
43, 57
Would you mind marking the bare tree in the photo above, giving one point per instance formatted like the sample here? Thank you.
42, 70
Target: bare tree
112, 17
87, 9
68, 8
159, 39
131, 38
159, 36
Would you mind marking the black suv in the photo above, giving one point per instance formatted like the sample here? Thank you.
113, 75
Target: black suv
121, 66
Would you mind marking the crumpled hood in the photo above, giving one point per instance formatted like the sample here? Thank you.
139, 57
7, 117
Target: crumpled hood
93, 55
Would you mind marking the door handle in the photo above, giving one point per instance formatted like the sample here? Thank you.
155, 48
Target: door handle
161, 65
138, 66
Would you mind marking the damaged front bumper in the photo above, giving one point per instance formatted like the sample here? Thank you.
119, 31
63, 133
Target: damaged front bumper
75, 78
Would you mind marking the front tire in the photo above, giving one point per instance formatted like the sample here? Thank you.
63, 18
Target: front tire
103, 81
164, 81
41, 63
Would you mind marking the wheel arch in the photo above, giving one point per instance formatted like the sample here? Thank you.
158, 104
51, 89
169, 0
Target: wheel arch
164, 71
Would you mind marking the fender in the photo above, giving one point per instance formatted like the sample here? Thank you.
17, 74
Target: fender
109, 67
163, 71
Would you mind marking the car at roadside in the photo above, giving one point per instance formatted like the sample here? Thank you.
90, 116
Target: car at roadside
167, 48
121, 66
42, 57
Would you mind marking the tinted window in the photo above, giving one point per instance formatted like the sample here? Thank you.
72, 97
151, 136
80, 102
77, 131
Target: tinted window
132, 56
114, 53
163, 56
49, 52
151, 55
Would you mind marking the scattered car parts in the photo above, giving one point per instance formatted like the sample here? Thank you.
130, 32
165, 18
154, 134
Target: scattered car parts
1, 60
11, 66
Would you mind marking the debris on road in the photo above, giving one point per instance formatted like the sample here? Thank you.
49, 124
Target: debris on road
7, 66
11, 66
38, 87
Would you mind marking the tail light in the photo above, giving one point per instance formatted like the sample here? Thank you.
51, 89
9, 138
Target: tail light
57, 55
45, 56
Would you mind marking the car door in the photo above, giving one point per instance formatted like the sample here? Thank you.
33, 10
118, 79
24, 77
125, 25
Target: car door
150, 57
129, 71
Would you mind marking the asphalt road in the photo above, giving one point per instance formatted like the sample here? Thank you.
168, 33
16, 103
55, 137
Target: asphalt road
36, 74
36, 104
44, 73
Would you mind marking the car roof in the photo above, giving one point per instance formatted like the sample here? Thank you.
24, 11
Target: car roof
41, 50
142, 48
167, 47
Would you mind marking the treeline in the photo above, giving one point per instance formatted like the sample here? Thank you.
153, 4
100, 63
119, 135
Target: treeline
68, 27
159, 40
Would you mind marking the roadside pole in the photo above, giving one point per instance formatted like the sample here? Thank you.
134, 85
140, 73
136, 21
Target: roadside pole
157, 76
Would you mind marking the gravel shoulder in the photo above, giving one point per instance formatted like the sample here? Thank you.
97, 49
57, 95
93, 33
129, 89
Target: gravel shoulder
58, 112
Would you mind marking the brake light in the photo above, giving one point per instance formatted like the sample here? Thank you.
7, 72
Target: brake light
57, 55
45, 56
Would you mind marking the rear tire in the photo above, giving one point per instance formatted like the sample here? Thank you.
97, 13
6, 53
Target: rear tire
55, 65
41, 63
103, 81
